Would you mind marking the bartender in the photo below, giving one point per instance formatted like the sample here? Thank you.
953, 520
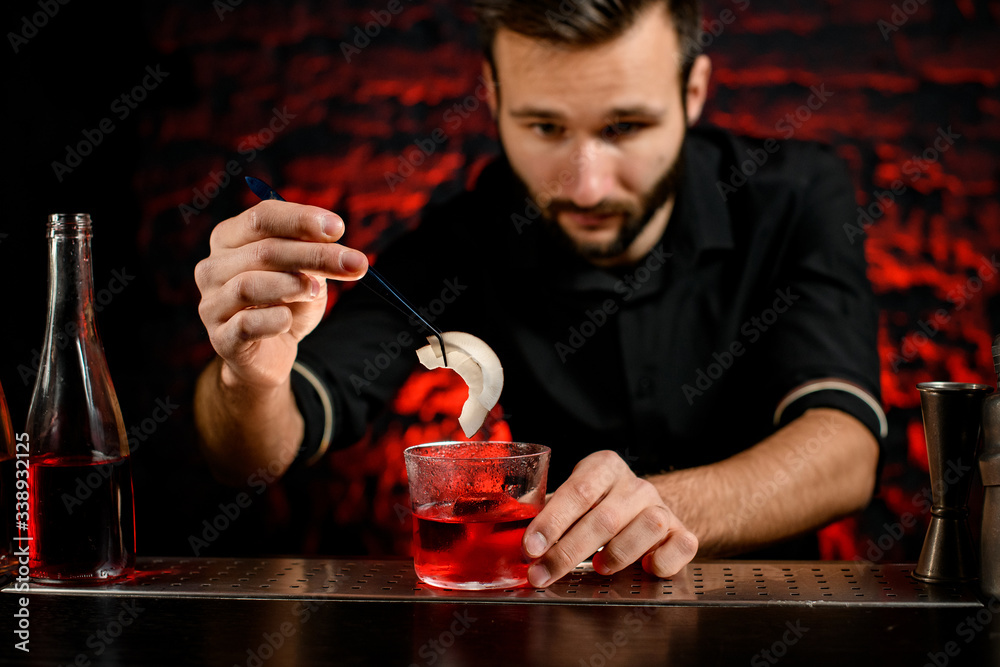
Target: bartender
698, 350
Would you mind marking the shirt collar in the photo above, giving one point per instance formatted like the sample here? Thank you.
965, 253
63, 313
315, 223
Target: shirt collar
700, 218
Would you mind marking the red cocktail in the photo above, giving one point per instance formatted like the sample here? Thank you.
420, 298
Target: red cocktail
472, 540
471, 504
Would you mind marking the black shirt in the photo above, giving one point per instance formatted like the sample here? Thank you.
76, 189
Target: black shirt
680, 360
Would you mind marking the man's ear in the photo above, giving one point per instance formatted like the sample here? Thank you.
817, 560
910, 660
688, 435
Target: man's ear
491, 88
697, 88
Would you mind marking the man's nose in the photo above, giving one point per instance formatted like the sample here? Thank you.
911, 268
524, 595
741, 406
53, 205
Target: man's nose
593, 174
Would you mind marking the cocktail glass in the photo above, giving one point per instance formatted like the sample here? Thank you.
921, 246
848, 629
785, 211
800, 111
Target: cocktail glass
471, 504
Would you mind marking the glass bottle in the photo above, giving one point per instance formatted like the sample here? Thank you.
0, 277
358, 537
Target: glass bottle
8, 497
82, 517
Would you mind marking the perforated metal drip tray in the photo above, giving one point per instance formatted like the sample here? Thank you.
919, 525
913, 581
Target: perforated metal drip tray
734, 583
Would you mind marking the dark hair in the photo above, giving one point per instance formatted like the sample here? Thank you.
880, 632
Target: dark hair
581, 23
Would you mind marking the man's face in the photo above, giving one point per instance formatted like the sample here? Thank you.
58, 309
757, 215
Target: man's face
595, 133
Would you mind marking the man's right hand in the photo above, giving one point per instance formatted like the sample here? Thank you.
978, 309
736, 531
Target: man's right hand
263, 287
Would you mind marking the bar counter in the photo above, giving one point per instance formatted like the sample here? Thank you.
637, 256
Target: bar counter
293, 611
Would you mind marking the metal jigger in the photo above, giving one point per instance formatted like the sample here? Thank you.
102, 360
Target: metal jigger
952, 423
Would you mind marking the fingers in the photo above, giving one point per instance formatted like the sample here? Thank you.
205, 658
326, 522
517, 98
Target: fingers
625, 522
278, 219
656, 536
604, 504
590, 482
255, 289
279, 236
252, 325
668, 559
325, 260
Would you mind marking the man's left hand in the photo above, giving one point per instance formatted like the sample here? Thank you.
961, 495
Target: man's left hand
604, 504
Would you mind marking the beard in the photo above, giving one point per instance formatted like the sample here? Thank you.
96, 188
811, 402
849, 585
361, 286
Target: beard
635, 215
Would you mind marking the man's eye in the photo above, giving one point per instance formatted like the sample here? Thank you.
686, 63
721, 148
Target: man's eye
621, 129
546, 129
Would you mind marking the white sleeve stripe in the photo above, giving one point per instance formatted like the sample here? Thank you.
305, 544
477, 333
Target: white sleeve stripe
324, 398
837, 385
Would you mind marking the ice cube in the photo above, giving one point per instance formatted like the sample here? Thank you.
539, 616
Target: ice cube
483, 504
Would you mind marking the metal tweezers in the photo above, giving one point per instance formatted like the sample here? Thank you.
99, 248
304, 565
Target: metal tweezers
373, 280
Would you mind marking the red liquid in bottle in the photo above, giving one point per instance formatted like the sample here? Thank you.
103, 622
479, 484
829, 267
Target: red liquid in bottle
8, 504
82, 521
475, 543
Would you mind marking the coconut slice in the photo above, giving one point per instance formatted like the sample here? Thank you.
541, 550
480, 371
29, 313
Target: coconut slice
477, 364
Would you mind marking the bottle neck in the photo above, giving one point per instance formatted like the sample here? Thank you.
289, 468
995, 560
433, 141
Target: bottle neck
71, 282
74, 410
